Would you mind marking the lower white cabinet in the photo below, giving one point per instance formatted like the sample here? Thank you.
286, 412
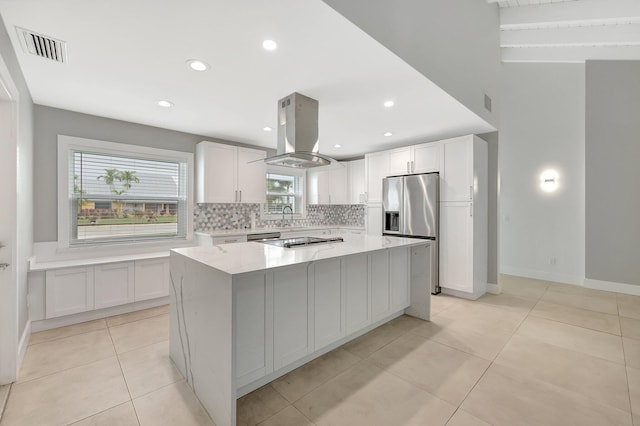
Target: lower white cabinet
113, 284
380, 289
291, 315
355, 277
85, 288
456, 246
253, 301
152, 279
326, 282
69, 291
373, 219
399, 278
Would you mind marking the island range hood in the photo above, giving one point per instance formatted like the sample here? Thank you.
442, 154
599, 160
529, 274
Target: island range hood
298, 134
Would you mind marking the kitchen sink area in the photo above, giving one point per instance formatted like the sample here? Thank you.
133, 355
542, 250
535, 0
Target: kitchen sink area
300, 241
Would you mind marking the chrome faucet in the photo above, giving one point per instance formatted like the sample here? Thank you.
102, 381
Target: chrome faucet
288, 206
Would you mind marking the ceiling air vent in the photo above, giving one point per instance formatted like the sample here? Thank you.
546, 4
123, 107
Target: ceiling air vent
43, 46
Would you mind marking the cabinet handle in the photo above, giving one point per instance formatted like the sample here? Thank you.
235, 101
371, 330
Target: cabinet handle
408, 167
471, 192
240, 200
471, 209
413, 167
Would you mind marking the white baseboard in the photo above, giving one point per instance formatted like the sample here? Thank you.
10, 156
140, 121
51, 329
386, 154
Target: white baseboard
46, 324
22, 345
612, 286
494, 288
543, 275
461, 294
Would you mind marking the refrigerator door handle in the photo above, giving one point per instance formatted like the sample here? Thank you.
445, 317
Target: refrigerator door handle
471, 192
471, 209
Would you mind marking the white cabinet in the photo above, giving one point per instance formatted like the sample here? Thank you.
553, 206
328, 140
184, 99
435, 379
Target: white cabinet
456, 183
399, 278
399, 161
114, 284
464, 218
225, 174
357, 188
253, 301
326, 282
152, 279
292, 329
425, 158
380, 289
68, 291
376, 169
329, 186
374, 219
229, 239
355, 278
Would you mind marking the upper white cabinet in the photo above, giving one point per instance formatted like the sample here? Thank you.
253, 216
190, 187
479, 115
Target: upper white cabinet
425, 158
376, 169
328, 186
464, 217
399, 161
456, 183
357, 188
225, 174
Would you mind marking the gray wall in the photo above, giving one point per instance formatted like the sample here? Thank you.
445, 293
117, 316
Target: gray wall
24, 207
613, 171
51, 122
492, 249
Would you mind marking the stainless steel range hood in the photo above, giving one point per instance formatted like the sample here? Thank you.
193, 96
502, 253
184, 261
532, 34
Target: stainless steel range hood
298, 134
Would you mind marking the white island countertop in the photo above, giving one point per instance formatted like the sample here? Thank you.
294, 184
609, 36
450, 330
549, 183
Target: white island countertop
239, 258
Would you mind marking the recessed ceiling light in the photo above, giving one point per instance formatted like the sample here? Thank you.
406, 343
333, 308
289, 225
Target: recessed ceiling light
267, 129
164, 103
337, 145
198, 65
388, 134
389, 104
270, 45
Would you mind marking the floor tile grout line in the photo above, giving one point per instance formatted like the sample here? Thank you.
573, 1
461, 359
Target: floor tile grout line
95, 414
134, 321
65, 337
21, 382
124, 377
140, 347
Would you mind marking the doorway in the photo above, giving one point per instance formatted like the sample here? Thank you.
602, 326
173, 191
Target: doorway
8, 227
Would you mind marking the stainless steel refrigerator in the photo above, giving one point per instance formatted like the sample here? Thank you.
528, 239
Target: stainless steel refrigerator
410, 209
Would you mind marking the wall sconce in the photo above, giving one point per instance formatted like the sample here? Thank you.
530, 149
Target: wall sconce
549, 180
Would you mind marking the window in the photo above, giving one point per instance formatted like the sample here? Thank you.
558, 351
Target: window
116, 192
285, 187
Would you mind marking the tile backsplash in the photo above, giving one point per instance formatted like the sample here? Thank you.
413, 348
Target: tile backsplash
219, 217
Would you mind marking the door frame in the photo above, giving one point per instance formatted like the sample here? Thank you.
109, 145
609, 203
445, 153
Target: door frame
9, 98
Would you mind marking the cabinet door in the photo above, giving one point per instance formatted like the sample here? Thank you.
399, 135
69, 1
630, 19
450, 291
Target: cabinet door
253, 312
151, 279
291, 310
380, 290
376, 169
252, 177
456, 183
426, 158
68, 291
216, 173
356, 182
339, 185
355, 278
229, 239
374, 219
318, 187
114, 284
327, 291
399, 161
456, 246
399, 277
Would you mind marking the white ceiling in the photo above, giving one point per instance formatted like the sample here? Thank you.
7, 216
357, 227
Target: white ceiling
569, 31
125, 54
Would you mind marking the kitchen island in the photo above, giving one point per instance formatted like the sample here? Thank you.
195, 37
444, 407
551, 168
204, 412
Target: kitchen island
244, 314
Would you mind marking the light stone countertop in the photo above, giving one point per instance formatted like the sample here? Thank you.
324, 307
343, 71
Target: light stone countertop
239, 258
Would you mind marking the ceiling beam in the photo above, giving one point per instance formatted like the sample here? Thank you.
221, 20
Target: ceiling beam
567, 12
601, 35
569, 54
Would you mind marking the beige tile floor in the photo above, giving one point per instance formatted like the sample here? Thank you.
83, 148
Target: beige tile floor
539, 354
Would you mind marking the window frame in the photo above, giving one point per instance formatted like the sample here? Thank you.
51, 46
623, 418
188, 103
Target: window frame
302, 173
67, 144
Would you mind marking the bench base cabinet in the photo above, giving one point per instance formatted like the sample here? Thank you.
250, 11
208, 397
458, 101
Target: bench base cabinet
86, 288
